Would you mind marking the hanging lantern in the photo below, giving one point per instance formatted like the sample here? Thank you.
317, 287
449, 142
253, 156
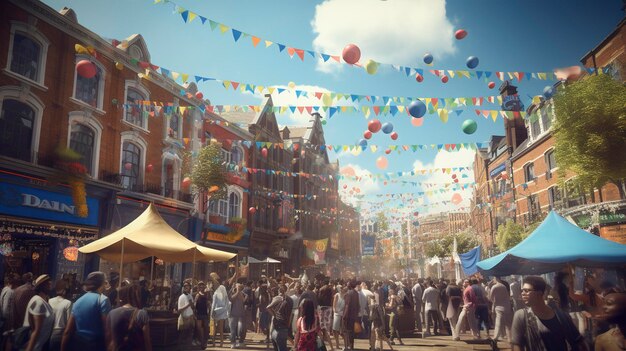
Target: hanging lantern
71, 253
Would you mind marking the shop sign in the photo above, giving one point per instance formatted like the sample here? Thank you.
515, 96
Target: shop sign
605, 218
21, 201
494, 172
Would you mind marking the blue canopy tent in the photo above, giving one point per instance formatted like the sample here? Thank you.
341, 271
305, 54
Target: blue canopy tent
555, 243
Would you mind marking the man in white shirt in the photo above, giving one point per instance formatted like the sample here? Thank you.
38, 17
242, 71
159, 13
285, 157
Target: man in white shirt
364, 312
62, 308
185, 319
417, 303
499, 297
39, 315
431, 308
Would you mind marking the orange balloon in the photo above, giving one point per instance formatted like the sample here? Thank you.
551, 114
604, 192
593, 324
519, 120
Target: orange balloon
382, 162
416, 122
348, 171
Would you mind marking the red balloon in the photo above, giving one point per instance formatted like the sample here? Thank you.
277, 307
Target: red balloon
388, 151
419, 78
460, 34
444, 79
199, 95
128, 166
374, 126
264, 152
491, 85
149, 168
345, 186
454, 176
186, 182
394, 136
351, 54
367, 134
252, 210
86, 69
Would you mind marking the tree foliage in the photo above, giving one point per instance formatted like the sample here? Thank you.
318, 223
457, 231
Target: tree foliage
443, 247
209, 171
590, 130
512, 233
383, 224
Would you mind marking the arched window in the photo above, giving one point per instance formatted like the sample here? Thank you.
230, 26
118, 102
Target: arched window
17, 122
28, 50
134, 111
131, 165
529, 172
89, 90
234, 205
25, 59
82, 140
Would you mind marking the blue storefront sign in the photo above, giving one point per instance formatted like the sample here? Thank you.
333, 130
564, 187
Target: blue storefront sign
494, 172
22, 201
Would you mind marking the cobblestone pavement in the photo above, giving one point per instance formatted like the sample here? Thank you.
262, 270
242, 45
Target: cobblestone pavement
253, 342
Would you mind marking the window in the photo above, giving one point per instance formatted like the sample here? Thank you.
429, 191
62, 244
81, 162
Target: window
613, 69
529, 172
236, 155
17, 121
225, 155
175, 128
550, 160
134, 111
25, 56
131, 163
82, 140
535, 127
555, 197
168, 177
234, 203
546, 118
27, 53
534, 208
89, 90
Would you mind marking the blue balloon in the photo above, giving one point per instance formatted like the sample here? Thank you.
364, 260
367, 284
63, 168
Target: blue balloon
472, 62
428, 59
387, 128
363, 143
417, 109
548, 91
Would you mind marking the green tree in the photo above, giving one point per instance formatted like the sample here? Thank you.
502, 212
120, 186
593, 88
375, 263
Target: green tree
590, 131
443, 247
383, 224
208, 172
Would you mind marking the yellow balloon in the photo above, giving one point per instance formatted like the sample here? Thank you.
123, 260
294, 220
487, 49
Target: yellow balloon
371, 66
443, 115
291, 85
327, 100
81, 49
119, 66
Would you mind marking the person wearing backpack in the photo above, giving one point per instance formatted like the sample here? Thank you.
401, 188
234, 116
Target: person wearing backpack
129, 325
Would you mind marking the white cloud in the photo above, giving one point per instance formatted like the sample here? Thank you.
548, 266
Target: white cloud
396, 31
463, 158
365, 186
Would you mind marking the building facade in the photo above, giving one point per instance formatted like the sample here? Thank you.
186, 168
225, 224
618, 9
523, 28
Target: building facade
64, 87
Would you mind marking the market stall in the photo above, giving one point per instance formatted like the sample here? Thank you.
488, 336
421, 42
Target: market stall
150, 236
554, 244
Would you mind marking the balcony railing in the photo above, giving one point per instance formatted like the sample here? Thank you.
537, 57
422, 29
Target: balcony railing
150, 188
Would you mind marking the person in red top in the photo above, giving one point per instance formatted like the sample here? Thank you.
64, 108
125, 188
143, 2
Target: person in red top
469, 309
308, 327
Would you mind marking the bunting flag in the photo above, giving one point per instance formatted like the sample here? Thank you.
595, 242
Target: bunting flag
188, 16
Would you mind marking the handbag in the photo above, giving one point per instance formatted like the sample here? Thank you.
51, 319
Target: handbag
358, 329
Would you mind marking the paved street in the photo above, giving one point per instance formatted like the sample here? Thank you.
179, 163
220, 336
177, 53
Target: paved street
412, 343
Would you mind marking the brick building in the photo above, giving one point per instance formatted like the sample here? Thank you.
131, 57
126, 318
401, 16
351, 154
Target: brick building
130, 127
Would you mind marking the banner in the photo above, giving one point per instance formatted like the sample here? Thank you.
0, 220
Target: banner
316, 250
469, 261
368, 243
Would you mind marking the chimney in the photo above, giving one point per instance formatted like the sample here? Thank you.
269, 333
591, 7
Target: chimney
515, 129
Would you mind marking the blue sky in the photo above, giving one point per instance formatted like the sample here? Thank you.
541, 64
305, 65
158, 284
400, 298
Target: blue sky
529, 35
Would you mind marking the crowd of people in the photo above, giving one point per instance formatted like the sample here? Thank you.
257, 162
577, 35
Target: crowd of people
315, 314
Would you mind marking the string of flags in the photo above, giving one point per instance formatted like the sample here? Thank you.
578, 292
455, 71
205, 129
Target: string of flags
188, 16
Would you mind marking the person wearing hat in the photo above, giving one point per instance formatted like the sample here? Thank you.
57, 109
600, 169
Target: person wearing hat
86, 328
39, 315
